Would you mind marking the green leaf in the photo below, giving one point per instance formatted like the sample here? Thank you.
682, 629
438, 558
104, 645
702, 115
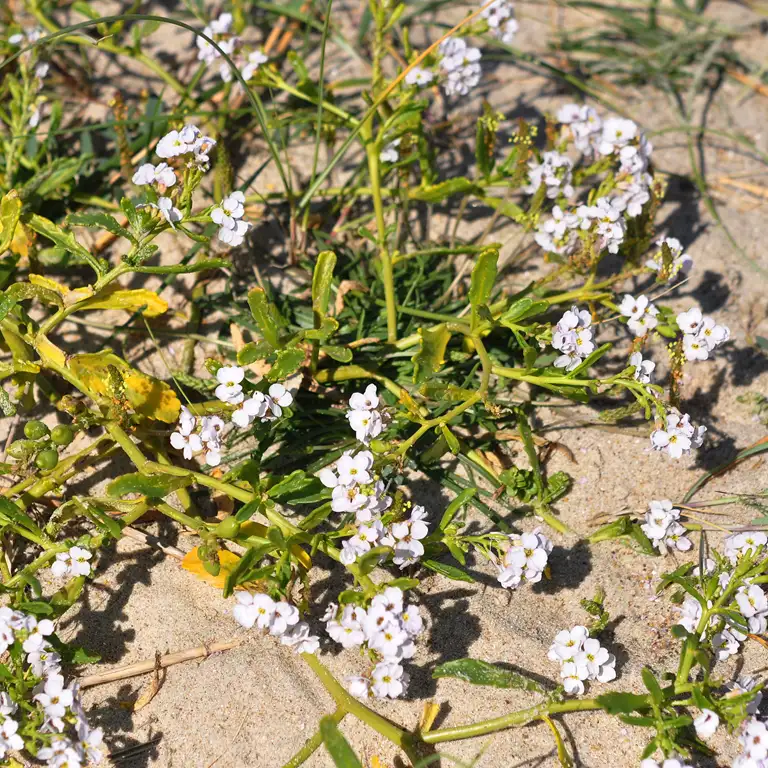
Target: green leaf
618, 702
153, 486
248, 510
287, 363
36, 607
7, 303
133, 214
451, 439
65, 240
453, 508
439, 192
253, 351
264, 315
99, 221
505, 208
10, 513
292, 485
338, 353
322, 280
483, 673
80, 656
22, 291
338, 747
430, 357
483, 279
252, 556
522, 309
652, 684
45, 182
449, 571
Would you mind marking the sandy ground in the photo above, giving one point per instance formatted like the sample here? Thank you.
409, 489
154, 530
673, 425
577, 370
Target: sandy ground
255, 705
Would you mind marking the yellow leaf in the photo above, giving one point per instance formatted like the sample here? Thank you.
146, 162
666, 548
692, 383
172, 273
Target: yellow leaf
148, 396
10, 208
428, 715
70, 296
194, 565
129, 300
21, 241
49, 352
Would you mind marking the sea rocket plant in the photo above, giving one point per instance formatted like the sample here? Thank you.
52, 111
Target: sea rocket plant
663, 528
581, 659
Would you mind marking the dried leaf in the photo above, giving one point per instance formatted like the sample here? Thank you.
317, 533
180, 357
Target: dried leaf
152, 689
345, 286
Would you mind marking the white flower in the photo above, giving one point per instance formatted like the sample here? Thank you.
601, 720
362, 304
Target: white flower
713, 334
420, 77
390, 154
229, 389
751, 601
391, 599
9, 739
279, 398
573, 338
643, 368
177, 143
355, 470
554, 172
724, 644
365, 401
359, 687
167, 209
690, 321
55, 698
743, 685
678, 436
188, 444
739, 544
36, 633
366, 424
568, 644
754, 740
154, 174
91, 742
694, 347
7, 705
43, 662
255, 60
388, 680
388, 640
681, 262
461, 65
594, 656
632, 307
229, 210
525, 557
349, 629
298, 638
234, 236
617, 132
285, 615
252, 408
251, 609
573, 675
79, 561
411, 620
706, 724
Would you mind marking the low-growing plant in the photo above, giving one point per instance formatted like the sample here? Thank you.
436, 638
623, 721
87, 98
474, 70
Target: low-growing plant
399, 355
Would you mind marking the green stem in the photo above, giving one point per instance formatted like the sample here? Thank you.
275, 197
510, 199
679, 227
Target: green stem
313, 742
521, 717
349, 704
387, 273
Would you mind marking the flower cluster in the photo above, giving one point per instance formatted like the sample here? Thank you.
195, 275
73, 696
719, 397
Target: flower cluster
581, 658
228, 214
679, 436
188, 141
59, 705
753, 740
572, 336
502, 23
74, 562
524, 559
555, 172
192, 437
739, 545
388, 628
460, 64
218, 30
641, 314
364, 416
419, 77
662, 526
680, 262
701, 334
281, 619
